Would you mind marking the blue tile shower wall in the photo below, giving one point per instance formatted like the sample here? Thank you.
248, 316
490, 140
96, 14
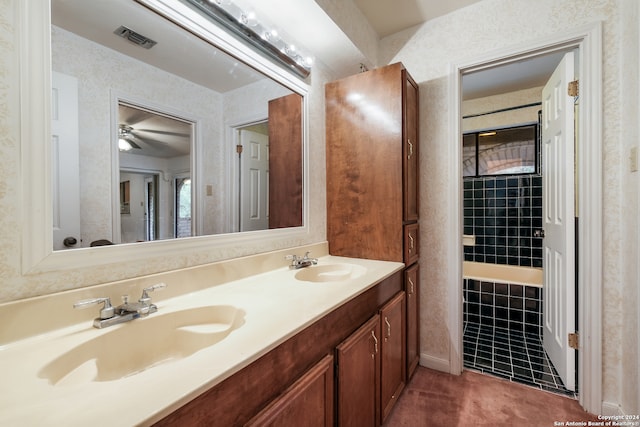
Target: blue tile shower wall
503, 212
503, 305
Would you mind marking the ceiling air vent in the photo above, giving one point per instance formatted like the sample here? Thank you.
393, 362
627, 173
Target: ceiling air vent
134, 37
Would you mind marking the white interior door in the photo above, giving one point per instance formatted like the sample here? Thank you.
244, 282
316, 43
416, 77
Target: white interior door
65, 162
254, 181
558, 218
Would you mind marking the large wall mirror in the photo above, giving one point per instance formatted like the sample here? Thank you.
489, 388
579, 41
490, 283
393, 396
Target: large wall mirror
131, 152
160, 135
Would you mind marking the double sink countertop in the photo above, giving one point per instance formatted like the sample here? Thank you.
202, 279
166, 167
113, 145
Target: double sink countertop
265, 309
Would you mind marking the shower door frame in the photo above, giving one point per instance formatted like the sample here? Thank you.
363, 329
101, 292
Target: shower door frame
588, 40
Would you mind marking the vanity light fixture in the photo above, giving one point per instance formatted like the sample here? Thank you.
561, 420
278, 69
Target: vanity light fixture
245, 26
486, 134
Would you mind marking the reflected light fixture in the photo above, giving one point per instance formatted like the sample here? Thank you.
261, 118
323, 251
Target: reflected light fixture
124, 143
245, 26
487, 133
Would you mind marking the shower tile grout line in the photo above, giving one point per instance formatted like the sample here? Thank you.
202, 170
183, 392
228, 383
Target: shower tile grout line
523, 347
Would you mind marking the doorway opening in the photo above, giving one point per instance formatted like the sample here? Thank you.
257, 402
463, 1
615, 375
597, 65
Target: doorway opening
252, 148
508, 331
156, 156
139, 197
587, 41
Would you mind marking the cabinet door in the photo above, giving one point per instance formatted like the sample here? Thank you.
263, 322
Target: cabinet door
308, 402
411, 280
285, 149
411, 244
364, 164
359, 376
393, 354
410, 148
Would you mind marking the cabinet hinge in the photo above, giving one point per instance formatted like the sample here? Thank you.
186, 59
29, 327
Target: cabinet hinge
573, 88
574, 340
239, 149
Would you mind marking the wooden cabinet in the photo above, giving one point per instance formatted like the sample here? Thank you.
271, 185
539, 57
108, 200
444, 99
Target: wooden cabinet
359, 376
285, 149
411, 280
292, 372
410, 150
372, 176
392, 352
308, 402
411, 243
372, 163
371, 367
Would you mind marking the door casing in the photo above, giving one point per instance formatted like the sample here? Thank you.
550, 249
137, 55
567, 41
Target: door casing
588, 39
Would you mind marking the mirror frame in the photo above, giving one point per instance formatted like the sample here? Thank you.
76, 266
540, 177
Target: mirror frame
34, 63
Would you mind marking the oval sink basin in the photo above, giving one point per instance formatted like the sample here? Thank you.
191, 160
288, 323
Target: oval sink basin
330, 272
141, 344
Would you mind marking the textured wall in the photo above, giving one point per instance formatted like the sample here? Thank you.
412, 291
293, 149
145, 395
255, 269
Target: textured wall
428, 50
497, 102
100, 71
14, 285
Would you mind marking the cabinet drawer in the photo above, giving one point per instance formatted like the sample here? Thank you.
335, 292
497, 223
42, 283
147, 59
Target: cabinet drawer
411, 243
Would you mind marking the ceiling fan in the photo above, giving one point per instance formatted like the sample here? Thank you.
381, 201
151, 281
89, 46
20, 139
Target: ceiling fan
125, 138
155, 143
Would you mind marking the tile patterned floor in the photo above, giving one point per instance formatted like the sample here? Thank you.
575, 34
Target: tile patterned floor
511, 354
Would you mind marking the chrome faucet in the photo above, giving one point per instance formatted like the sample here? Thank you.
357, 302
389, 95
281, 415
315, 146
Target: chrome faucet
298, 262
125, 312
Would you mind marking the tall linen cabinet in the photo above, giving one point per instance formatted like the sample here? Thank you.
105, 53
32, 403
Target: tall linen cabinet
372, 186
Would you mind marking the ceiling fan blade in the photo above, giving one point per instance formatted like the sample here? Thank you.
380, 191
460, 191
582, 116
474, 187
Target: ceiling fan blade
136, 116
133, 144
150, 141
163, 132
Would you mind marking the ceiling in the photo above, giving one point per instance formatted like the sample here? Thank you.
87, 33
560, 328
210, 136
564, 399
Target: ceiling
200, 63
390, 16
97, 20
155, 135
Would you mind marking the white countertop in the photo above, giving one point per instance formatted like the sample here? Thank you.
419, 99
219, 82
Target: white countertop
276, 307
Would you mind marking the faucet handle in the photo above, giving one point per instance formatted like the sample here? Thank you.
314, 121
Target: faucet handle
145, 298
107, 311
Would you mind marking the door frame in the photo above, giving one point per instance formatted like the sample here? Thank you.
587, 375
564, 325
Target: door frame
197, 196
588, 39
233, 184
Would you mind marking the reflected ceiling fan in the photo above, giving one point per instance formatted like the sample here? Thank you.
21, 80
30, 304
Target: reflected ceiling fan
125, 138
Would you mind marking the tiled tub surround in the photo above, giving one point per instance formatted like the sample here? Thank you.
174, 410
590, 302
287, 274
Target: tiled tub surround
276, 306
502, 213
503, 326
501, 305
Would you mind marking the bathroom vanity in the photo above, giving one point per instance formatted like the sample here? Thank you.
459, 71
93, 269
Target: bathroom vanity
247, 340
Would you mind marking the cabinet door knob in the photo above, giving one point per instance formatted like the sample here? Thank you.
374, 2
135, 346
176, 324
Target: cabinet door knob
411, 286
386, 320
410, 242
410, 154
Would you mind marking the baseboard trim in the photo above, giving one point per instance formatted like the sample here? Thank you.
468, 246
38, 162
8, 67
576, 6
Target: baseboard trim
435, 363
